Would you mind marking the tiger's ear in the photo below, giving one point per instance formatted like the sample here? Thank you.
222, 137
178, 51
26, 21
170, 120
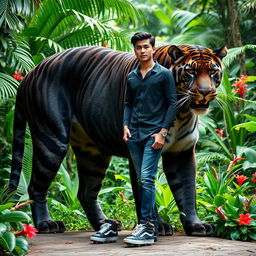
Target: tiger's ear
221, 52
175, 53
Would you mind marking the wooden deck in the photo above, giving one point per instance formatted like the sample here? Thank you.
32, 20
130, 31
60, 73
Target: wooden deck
78, 244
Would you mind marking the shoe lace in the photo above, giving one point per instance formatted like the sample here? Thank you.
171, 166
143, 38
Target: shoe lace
137, 229
104, 227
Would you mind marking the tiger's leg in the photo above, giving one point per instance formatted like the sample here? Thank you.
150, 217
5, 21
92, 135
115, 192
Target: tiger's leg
180, 170
91, 168
48, 153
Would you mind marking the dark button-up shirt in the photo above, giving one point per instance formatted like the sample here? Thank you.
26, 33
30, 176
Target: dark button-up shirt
149, 102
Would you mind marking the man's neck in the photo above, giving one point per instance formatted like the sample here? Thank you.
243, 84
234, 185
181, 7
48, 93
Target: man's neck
146, 65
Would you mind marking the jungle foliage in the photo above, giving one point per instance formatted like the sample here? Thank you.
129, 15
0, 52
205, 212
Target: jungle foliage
33, 30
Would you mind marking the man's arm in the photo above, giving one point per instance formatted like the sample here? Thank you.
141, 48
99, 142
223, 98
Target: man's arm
127, 113
171, 98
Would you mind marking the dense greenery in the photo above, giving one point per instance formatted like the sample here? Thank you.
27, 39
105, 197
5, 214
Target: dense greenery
32, 30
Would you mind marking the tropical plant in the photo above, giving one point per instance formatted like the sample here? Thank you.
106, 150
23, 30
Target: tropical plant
232, 112
59, 25
228, 202
12, 231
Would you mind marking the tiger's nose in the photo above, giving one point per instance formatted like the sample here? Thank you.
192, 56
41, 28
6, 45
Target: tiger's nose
204, 91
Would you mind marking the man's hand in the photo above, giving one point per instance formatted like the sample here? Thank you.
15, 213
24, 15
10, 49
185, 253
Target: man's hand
159, 139
127, 133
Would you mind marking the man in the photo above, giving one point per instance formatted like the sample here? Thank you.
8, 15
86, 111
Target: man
148, 115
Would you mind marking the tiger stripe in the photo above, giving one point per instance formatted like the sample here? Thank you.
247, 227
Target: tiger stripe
76, 97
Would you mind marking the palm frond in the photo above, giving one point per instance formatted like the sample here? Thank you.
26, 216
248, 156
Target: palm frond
232, 98
233, 53
210, 157
77, 23
8, 86
10, 10
26, 166
182, 18
249, 5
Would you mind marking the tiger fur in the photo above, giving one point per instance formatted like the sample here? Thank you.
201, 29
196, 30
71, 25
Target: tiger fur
76, 97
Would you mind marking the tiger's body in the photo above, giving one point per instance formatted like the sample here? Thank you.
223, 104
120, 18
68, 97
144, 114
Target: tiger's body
77, 97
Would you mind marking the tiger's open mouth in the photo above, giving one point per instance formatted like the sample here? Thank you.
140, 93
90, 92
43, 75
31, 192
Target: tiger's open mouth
200, 104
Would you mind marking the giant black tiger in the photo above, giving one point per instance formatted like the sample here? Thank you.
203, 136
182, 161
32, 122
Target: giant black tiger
77, 97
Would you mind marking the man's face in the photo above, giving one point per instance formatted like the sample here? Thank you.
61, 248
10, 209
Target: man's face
144, 50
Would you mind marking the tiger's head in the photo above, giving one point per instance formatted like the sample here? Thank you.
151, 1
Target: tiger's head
197, 71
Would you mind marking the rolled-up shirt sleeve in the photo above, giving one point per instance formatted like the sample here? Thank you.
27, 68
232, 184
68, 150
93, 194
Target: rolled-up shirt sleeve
171, 99
127, 105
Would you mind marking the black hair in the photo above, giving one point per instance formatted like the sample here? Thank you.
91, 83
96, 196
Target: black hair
142, 36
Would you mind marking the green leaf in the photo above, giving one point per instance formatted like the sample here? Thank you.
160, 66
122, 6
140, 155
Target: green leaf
14, 217
112, 189
8, 241
2, 228
122, 177
6, 206
235, 235
243, 229
22, 244
219, 200
252, 235
249, 126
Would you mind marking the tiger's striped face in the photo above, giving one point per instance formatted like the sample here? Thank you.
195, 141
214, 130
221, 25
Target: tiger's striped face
197, 71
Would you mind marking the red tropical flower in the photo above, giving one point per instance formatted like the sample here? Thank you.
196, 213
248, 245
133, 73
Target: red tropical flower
220, 132
234, 161
17, 75
28, 230
244, 78
105, 44
240, 179
240, 84
244, 219
219, 211
254, 175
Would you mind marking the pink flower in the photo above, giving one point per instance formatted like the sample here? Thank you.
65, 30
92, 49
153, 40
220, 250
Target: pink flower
28, 230
240, 179
220, 132
244, 219
254, 175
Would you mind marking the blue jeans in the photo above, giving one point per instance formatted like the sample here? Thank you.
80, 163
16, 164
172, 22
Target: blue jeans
145, 160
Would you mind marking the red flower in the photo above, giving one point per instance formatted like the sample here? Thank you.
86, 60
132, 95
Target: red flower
220, 212
28, 230
220, 132
241, 179
240, 84
254, 175
17, 75
244, 219
244, 78
105, 44
235, 160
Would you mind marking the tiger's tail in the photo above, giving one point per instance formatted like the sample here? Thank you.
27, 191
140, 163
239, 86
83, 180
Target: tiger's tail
19, 131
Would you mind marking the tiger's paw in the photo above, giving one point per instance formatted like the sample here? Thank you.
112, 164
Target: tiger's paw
164, 229
198, 229
49, 226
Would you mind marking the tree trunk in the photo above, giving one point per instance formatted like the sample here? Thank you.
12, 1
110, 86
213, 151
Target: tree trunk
235, 33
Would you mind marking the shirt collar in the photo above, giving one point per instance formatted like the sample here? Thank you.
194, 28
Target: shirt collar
155, 68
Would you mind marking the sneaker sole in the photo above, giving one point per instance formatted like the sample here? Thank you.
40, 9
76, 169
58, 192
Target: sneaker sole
139, 242
104, 239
